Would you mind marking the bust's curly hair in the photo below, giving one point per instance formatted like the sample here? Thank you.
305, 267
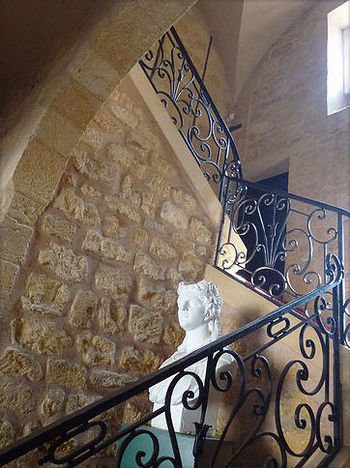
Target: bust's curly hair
208, 293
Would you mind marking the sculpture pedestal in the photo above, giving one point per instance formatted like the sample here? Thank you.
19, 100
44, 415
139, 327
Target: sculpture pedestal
143, 443
183, 419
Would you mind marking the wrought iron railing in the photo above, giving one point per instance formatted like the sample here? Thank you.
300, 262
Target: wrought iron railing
287, 410
284, 253
278, 242
181, 90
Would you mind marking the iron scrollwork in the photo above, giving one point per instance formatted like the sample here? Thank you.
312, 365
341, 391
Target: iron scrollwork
286, 246
267, 399
182, 92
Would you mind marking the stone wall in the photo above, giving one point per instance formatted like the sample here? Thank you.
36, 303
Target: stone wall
73, 84
94, 302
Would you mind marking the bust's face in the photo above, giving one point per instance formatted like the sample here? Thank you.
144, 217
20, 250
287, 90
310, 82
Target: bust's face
191, 310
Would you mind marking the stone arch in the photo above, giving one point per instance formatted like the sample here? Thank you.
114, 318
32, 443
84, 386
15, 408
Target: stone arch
35, 155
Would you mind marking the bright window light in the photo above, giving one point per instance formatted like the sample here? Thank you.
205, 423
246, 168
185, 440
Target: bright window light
346, 58
338, 59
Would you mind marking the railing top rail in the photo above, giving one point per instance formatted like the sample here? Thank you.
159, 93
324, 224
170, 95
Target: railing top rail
282, 193
69, 422
207, 95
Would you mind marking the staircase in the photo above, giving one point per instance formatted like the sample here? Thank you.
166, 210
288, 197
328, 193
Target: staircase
283, 250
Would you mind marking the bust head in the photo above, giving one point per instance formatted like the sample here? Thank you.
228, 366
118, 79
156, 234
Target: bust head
199, 304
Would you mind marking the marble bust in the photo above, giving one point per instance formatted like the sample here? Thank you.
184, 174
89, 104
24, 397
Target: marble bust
199, 306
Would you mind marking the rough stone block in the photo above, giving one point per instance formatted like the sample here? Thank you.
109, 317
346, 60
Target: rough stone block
182, 241
31, 426
150, 203
126, 114
139, 361
109, 124
15, 362
7, 277
201, 250
140, 170
65, 373
120, 154
92, 136
92, 242
174, 277
107, 380
7, 433
191, 267
96, 350
105, 248
123, 98
45, 295
59, 227
156, 297
111, 317
113, 251
40, 335
200, 232
25, 210
38, 172
58, 132
96, 169
144, 264
160, 186
17, 396
123, 208
52, 402
77, 103
90, 191
174, 215
145, 326
113, 281
76, 401
173, 335
185, 200
139, 238
64, 262
162, 250
83, 309
76, 208
15, 240
111, 227
128, 194
153, 225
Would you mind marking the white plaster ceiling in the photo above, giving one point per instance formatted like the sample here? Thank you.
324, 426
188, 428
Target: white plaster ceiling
263, 22
260, 23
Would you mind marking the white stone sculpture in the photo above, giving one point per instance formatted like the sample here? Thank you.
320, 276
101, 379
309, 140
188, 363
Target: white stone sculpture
199, 306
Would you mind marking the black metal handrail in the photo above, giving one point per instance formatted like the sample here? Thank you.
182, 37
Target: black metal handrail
279, 241
175, 79
54, 436
285, 194
321, 325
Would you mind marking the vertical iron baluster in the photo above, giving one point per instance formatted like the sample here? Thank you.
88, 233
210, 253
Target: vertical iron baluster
341, 286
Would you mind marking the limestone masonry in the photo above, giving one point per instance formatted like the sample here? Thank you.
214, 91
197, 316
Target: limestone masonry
93, 303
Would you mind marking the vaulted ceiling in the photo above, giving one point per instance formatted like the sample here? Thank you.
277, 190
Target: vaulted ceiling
244, 30
35, 32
